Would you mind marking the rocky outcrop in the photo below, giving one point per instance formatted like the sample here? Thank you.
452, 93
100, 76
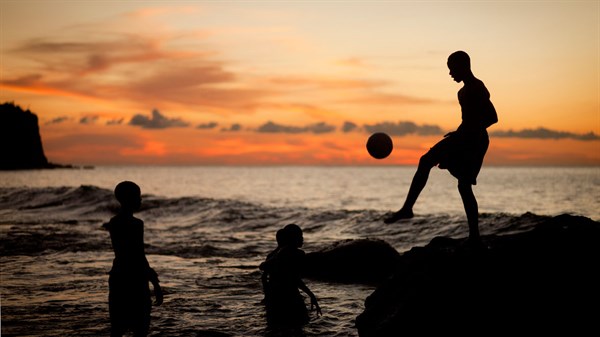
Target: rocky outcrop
20, 140
367, 261
544, 281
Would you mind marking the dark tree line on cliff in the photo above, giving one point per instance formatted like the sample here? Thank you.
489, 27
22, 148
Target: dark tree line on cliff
20, 141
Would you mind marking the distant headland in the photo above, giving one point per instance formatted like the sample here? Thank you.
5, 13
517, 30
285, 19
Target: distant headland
20, 141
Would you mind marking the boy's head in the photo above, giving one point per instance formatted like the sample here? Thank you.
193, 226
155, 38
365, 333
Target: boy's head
293, 235
280, 237
459, 64
129, 195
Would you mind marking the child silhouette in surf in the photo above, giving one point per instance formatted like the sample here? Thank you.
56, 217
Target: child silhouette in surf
279, 237
282, 272
129, 299
461, 151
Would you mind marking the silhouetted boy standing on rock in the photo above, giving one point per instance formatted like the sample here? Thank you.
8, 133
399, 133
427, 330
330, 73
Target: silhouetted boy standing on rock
461, 151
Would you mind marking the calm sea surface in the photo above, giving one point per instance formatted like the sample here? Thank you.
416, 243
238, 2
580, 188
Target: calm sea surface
208, 228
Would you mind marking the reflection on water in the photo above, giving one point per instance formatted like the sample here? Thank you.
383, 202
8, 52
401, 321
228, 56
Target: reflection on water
206, 233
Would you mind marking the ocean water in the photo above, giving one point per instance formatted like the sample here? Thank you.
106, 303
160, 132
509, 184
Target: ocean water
208, 228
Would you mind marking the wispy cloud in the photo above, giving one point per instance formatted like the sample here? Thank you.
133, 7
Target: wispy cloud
384, 98
316, 128
116, 121
86, 141
349, 126
331, 83
233, 128
156, 121
354, 62
80, 56
88, 119
133, 67
182, 69
543, 133
150, 12
403, 128
364, 91
209, 125
57, 120
184, 83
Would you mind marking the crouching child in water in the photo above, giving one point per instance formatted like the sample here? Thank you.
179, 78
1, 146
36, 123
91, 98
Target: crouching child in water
282, 281
129, 298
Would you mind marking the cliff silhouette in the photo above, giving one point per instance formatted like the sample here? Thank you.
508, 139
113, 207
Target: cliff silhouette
20, 141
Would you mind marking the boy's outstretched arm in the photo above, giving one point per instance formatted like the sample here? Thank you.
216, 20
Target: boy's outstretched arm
314, 304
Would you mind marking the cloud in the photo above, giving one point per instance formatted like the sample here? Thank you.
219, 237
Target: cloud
57, 120
334, 146
429, 130
26, 80
317, 128
157, 121
151, 12
349, 126
317, 82
320, 128
84, 57
116, 121
209, 125
543, 133
195, 81
393, 129
233, 128
88, 120
354, 62
165, 74
403, 128
270, 127
180, 69
380, 98
364, 91
90, 140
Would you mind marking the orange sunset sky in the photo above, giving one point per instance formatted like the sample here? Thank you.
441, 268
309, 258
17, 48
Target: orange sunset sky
299, 82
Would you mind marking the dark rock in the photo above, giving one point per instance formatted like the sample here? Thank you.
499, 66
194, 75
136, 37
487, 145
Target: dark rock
353, 261
20, 141
539, 282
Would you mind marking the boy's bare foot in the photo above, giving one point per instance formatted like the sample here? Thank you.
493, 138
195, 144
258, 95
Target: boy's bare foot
401, 214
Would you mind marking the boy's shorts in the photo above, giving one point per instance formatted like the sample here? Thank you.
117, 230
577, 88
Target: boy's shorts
461, 154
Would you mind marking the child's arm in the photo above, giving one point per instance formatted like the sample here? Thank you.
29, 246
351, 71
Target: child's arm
272, 256
157, 288
267, 265
157, 293
314, 304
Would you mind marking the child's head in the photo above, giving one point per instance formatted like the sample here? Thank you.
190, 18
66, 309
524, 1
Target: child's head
280, 237
459, 64
459, 59
293, 235
129, 195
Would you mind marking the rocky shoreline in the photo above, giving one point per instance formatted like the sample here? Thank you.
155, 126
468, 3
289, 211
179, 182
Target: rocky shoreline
541, 281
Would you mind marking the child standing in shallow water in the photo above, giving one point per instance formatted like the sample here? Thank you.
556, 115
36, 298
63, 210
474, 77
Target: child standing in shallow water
283, 270
129, 299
